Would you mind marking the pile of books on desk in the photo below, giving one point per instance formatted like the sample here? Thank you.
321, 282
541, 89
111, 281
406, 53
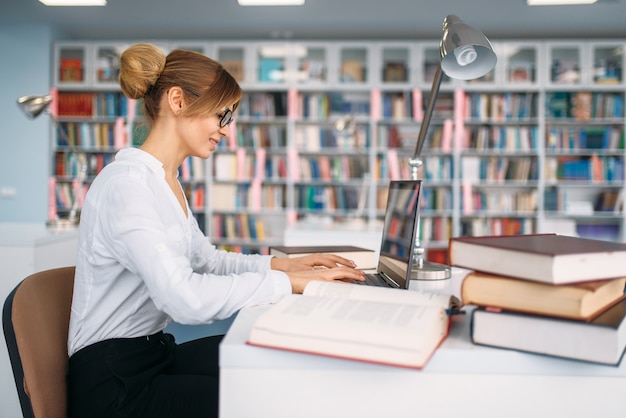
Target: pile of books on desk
545, 293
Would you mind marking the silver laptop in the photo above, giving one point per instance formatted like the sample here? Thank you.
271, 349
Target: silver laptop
396, 249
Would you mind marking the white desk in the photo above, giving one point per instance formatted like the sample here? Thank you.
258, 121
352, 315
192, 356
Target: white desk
26, 248
461, 380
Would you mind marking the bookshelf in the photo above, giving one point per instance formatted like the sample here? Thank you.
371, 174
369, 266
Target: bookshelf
500, 157
323, 126
584, 148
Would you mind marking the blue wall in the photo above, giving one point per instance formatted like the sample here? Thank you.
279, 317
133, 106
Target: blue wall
24, 143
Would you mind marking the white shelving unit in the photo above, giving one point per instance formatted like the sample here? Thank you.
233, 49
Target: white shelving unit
286, 161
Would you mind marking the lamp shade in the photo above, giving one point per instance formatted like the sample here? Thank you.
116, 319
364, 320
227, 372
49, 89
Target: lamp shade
465, 52
33, 106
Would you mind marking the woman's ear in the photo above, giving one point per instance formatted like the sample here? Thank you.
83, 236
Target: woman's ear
175, 100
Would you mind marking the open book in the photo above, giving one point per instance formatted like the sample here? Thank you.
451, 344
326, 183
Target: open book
367, 323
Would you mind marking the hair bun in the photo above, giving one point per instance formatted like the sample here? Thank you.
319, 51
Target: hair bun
140, 67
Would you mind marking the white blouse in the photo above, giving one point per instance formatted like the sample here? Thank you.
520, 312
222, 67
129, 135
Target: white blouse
142, 263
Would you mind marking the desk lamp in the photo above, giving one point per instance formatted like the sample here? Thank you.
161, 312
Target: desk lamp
33, 106
464, 54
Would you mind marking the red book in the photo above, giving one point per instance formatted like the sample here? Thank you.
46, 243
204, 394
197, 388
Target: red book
71, 70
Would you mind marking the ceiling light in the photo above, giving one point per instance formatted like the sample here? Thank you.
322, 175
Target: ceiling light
558, 2
74, 2
270, 2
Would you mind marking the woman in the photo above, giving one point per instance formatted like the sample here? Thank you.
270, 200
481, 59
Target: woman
142, 260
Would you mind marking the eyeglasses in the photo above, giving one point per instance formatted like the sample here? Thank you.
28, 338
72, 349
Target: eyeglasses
226, 117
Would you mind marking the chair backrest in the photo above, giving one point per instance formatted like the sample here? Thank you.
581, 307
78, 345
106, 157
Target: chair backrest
35, 319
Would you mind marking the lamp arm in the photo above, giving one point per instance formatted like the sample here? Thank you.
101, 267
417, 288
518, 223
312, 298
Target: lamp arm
422, 269
416, 162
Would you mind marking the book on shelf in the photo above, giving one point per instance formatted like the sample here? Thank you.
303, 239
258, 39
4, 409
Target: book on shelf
521, 72
239, 227
270, 70
581, 301
565, 71
311, 69
582, 105
364, 258
352, 71
558, 104
601, 340
548, 258
76, 104
607, 201
394, 71
364, 323
71, 70
235, 68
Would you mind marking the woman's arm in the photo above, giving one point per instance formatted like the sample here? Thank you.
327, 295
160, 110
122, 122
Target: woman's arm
300, 270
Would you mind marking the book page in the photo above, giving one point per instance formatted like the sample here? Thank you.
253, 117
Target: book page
375, 294
321, 320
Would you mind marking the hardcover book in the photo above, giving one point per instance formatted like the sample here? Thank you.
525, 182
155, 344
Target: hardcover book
548, 258
582, 301
363, 258
601, 340
352, 71
235, 68
71, 70
364, 323
394, 72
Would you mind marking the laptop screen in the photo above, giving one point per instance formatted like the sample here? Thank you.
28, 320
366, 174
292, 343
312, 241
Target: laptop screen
399, 229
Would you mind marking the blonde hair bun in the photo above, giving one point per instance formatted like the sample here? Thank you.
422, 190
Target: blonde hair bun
140, 67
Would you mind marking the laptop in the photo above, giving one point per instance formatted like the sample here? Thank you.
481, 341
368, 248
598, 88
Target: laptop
396, 248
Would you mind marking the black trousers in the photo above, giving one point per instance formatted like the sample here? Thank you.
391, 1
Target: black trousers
145, 377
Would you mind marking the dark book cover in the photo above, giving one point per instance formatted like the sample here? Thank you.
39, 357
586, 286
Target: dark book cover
546, 244
319, 249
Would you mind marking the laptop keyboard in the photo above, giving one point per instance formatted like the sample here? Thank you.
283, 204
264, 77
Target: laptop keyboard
374, 280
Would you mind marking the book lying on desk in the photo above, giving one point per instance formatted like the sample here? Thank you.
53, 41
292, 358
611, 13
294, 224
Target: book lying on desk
364, 258
365, 323
548, 258
581, 301
601, 340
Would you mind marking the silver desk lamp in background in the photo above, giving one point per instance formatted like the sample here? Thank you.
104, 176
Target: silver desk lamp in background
465, 54
33, 106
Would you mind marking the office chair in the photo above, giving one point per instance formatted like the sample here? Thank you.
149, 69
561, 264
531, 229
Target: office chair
35, 319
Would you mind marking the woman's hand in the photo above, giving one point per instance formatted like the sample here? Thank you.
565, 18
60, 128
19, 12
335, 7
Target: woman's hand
310, 262
299, 279
329, 267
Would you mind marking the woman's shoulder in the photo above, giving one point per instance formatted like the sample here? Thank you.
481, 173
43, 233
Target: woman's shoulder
131, 167
133, 162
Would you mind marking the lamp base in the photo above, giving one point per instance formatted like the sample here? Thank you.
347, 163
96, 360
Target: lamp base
427, 270
62, 224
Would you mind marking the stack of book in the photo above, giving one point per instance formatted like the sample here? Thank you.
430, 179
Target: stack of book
545, 293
